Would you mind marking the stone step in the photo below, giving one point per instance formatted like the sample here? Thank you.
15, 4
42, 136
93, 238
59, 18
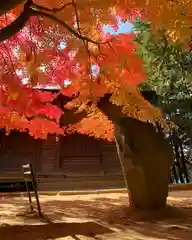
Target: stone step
81, 178
80, 185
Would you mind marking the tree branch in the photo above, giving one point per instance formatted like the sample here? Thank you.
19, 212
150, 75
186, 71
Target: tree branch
31, 9
16, 25
50, 11
63, 24
7, 5
86, 44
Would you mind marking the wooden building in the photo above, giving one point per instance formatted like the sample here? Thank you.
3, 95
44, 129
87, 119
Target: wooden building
69, 162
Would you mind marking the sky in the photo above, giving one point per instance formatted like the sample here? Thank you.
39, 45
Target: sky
124, 27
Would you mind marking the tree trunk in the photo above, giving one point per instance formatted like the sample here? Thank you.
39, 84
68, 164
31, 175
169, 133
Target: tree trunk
178, 160
145, 155
185, 170
175, 173
146, 158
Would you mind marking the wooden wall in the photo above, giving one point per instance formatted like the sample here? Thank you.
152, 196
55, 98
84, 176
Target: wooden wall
80, 154
83, 155
17, 149
73, 155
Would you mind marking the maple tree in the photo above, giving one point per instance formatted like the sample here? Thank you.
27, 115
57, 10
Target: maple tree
36, 56
29, 27
46, 43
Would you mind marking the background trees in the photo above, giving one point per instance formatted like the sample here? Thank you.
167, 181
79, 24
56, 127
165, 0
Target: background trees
169, 73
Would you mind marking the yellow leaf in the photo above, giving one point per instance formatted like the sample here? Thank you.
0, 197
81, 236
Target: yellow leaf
12, 96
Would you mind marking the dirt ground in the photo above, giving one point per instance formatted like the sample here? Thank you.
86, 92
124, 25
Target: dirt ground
95, 217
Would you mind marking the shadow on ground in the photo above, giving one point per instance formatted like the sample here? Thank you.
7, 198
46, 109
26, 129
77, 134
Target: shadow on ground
52, 231
175, 222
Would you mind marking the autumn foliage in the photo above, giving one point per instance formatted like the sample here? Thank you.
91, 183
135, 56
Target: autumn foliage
52, 53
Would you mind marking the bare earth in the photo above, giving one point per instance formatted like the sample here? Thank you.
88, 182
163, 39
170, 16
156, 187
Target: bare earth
95, 217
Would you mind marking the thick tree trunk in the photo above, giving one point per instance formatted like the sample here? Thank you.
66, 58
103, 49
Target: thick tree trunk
146, 164
146, 158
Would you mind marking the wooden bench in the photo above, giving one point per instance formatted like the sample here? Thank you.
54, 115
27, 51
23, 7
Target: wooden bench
14, 183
